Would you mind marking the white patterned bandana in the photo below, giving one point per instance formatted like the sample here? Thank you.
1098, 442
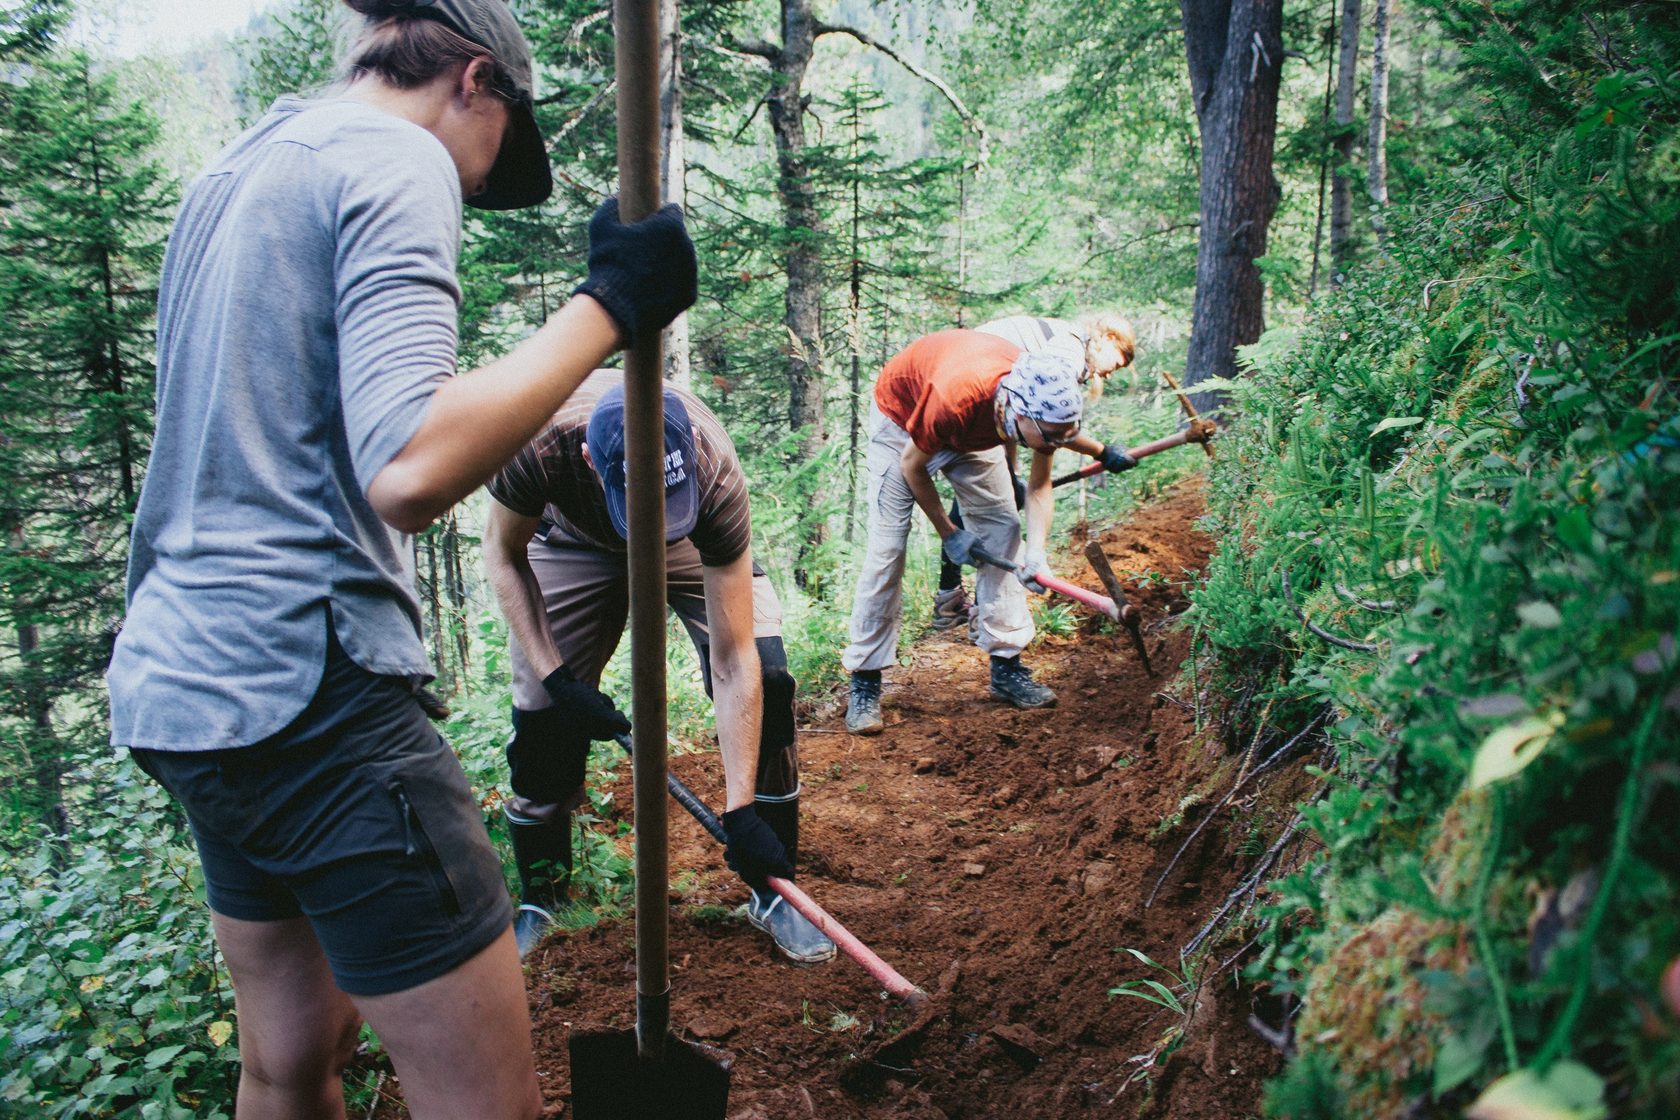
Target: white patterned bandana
1041, 386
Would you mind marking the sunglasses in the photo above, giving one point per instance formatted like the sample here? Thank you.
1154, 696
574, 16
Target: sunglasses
1053, 441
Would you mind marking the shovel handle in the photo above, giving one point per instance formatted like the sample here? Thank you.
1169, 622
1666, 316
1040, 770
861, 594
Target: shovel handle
1060, 586
888, 977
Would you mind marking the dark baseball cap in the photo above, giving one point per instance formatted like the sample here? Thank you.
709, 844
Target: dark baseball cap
521, 175
605, 436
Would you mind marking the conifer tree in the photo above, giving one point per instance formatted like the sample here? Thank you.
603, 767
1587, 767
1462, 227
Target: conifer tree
80, 247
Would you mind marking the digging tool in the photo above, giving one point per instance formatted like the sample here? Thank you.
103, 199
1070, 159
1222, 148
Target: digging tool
1130, 617
1200, 431
646, 1072
1061, 587
888, 977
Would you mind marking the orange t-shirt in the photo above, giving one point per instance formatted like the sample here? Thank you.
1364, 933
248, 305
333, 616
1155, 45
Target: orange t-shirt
940, 389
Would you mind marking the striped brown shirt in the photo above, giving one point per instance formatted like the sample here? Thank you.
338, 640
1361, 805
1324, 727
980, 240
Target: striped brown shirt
549, 477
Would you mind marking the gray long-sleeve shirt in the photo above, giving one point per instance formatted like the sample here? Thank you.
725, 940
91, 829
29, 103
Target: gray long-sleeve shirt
306, 313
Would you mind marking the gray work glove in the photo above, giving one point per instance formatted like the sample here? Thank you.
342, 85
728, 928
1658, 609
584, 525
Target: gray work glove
1031, 565
959, 548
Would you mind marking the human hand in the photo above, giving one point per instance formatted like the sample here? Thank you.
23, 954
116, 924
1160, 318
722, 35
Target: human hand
643, 273
596, 715
959, 547
1031, 565
752, 849
1115, 458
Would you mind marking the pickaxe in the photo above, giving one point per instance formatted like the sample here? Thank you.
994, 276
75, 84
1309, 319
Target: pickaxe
1201, 430
1115, 607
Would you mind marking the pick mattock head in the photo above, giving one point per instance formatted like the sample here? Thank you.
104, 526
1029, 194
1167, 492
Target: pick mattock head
1202, 430
1130, 617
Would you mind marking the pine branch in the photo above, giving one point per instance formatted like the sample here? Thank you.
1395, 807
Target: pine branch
933, 80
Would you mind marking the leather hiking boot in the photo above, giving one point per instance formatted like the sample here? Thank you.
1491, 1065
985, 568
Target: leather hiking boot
530, 925
863, 707
950, 608
792, 932
1012, 683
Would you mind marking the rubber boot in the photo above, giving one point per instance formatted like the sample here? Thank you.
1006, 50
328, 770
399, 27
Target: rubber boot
792, 932
542, 850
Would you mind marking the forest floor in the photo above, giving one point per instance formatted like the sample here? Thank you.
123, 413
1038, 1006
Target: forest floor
998, 858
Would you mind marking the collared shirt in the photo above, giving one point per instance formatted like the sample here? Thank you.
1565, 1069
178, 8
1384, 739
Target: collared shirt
1043, 336
941, 389
551, 478
306, 314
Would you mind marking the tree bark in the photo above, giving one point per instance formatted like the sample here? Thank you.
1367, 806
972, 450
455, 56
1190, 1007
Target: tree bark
1377, 144
672, 165
1235, 54
1341, 188
1324, 157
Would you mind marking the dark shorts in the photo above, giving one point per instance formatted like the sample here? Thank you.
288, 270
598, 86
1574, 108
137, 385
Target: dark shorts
357, 816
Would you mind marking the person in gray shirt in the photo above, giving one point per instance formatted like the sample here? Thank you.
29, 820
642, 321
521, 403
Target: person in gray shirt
309, 418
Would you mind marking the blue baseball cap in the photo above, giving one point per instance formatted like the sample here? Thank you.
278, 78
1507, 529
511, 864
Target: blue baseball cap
605, 436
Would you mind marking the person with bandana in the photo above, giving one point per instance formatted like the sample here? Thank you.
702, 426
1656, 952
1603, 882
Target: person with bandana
1100, 343
949, 402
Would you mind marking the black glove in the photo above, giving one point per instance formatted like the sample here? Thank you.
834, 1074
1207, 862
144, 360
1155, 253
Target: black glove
1020, 488
959, 547
592, 709
752, 850
643, 273
1115, 459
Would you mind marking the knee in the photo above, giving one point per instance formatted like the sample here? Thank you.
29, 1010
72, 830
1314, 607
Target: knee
301, 1064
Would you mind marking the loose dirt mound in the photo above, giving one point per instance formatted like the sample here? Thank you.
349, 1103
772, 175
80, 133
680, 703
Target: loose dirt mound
1001, 857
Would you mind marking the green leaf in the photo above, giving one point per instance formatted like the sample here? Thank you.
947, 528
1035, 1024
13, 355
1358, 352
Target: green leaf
1568, 1091
1540, 614
157, 1059
1396, 422
1456, 1061
1511, 748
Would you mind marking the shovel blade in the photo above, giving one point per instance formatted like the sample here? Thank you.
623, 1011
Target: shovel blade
610, 1081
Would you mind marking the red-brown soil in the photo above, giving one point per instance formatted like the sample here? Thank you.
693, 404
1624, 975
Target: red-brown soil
998, 858
1000, 855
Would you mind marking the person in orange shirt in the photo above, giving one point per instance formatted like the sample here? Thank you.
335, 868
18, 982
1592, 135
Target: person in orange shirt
949, 402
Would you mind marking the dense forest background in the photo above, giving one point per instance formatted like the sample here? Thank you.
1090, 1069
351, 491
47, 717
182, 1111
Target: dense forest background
1430, 254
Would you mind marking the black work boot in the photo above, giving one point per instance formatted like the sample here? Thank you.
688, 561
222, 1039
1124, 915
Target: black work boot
792, 932
1012, 683
863, 707
542, 849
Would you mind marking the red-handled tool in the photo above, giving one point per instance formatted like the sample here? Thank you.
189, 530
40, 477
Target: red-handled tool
1200, 431
888, 977
1060, 586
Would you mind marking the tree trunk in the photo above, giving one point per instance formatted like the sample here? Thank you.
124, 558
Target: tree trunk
854, 335
1324, 158
1377, 145
673, 164
1235, 52
45, 756
786, 104
1341, 189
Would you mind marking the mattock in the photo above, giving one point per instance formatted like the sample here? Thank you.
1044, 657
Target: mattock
1129, 616
1201, 430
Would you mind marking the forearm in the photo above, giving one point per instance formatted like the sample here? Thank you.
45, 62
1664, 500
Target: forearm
521, 600
477, 421
738, 697
913, 464
1040, 503
1085, 445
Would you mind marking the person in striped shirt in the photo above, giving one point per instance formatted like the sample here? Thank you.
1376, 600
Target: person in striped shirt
555, 553
1099, 343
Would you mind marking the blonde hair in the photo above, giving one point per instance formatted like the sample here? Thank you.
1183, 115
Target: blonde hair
1107, 324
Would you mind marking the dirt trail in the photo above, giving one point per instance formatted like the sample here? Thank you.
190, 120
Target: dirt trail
1002, 854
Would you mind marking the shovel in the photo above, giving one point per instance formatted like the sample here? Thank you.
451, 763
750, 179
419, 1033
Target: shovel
628, 1075
1115, 608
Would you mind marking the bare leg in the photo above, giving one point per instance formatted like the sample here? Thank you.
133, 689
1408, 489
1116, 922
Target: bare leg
297, 1031
461, 1044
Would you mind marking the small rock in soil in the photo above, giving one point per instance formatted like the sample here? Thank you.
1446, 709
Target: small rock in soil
711, 1028
1004, 796
1022, 1043
926, 765
1097, 878
974, 870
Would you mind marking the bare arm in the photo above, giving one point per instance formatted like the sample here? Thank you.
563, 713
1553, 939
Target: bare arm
1040, 503
737, 681
515, 584
1085, 445
477, 421
913, 462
